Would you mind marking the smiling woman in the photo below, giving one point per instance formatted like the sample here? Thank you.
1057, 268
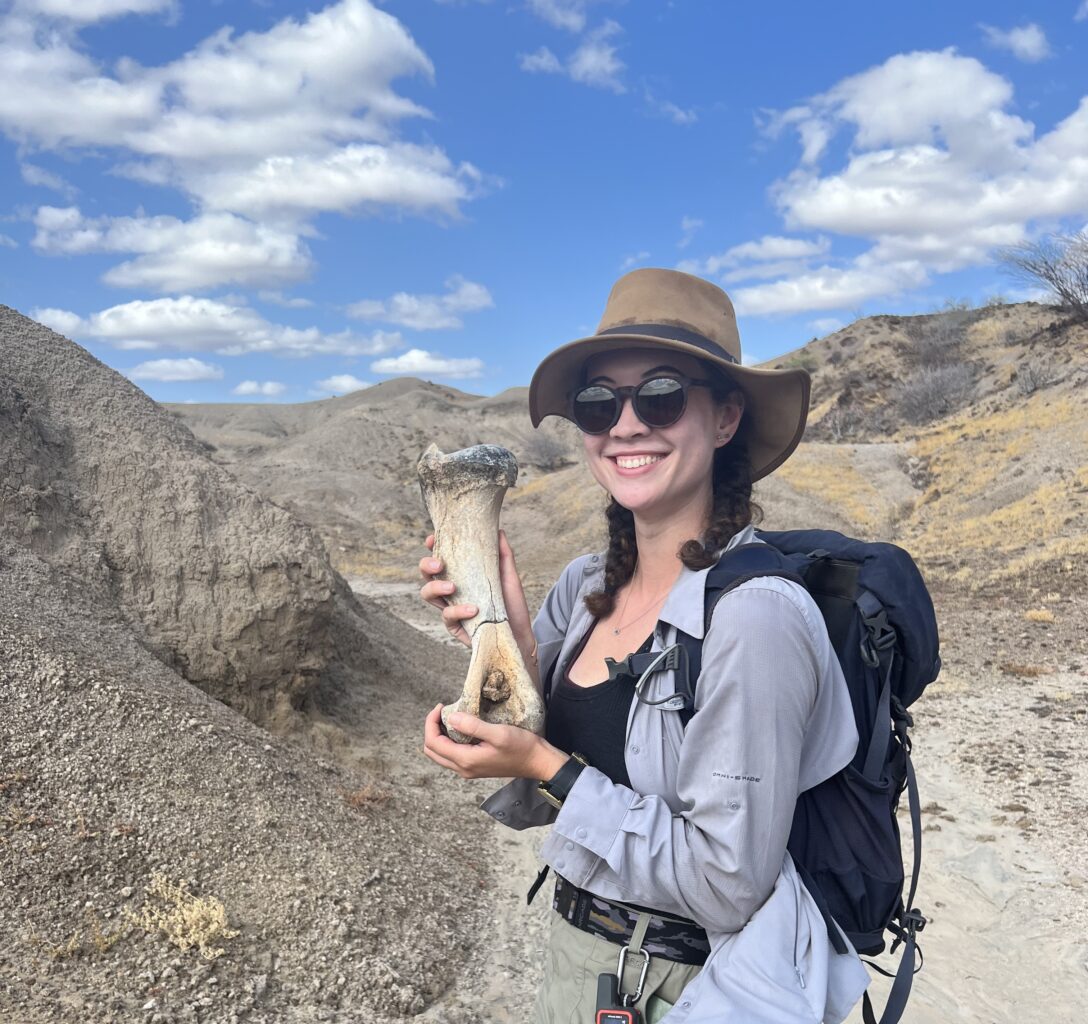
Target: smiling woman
676, 897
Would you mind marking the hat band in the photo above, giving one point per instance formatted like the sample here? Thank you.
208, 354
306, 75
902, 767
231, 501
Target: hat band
669, 333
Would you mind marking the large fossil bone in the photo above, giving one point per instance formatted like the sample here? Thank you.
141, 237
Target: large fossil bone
463, 492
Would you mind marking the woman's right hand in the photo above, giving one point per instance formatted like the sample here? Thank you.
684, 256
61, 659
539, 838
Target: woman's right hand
439, 593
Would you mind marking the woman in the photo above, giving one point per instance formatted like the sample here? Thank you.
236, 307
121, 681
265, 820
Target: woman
671, 843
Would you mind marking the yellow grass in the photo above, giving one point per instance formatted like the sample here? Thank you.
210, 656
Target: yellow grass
1039, 615
186, 920
839, 484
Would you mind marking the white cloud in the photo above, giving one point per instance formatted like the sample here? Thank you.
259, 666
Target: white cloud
341, 384
211, 250
59, 320
207, 325
565, 14
88, 11
246, 123
268, 388
666, 108
40, 177
426, 312
937, 174
768, 256
634, 260
828, 288
7, 242
593, 62
415, 361
689, 226
286, 301
542, 60
1082, 12
175, 370
1027, 43
826, 325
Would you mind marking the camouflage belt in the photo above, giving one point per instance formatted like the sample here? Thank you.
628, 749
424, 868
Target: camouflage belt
669, 938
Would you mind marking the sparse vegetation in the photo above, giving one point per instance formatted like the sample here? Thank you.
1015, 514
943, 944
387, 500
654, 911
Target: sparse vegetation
366, 796
935, 391
1033, 375
546, 451
1057, 262
1022, 671
937, 340
186, 920
1039, 615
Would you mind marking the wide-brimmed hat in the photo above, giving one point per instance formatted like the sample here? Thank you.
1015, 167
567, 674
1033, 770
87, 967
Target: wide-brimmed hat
653, 308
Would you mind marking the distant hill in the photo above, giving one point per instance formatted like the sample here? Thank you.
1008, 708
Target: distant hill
958, 434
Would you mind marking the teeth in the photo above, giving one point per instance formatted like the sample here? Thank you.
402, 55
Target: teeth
640, 460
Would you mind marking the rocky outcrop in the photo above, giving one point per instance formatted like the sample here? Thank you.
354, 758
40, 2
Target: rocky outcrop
224, 586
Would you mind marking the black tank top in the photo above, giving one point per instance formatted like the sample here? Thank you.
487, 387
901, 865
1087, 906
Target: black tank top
592, 720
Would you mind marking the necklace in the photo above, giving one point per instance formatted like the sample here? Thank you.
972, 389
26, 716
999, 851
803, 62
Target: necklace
616, 630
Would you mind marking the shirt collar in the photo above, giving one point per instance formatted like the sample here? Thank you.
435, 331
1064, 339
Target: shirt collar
683, 607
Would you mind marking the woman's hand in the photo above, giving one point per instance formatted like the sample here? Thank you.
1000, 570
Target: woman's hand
439, 593
501, 751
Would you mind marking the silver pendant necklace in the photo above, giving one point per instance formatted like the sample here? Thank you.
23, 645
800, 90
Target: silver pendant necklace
616, 630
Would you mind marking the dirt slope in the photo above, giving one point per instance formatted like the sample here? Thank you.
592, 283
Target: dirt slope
220, 583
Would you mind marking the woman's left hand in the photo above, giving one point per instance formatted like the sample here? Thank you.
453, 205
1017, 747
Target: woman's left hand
501, 751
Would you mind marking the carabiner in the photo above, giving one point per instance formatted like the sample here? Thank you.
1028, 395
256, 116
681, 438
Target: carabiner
627, 999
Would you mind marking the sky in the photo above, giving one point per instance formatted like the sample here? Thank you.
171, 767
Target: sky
257, 200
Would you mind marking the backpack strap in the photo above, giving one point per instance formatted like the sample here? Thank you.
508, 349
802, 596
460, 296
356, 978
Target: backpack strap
736, 566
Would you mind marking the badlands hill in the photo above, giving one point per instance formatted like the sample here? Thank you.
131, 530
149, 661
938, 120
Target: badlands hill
959, 434
161, 624
193, 700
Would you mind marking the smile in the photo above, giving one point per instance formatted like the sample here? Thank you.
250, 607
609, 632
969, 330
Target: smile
636, 461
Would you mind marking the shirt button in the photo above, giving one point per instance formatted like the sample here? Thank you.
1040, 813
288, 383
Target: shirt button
635, 750
568, 846
733, 805
560, 864
582, 833
500, 814
517, 803
686, 1004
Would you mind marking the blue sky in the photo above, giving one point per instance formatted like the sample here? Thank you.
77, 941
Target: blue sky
255, 200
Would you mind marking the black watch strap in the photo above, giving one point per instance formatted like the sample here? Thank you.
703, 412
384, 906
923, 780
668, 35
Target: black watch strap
558, 787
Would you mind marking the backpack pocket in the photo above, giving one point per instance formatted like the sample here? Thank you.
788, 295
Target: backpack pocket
845, 838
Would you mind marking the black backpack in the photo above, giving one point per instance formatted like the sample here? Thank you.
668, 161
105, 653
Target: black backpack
845, 838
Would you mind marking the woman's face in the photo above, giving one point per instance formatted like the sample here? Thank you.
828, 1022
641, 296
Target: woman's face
657, 472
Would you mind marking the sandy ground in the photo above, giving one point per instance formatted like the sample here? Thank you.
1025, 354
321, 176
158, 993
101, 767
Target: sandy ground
1004, 884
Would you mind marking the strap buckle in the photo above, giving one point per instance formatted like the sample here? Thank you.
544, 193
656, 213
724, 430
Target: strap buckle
882, 636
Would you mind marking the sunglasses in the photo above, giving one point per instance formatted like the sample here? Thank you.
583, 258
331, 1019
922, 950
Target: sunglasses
658, 402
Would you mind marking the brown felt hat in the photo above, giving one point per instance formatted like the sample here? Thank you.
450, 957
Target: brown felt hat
653, 308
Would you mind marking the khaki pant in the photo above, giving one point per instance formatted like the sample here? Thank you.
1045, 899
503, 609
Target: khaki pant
575, 958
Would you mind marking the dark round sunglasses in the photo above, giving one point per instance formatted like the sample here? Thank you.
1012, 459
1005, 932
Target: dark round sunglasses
658, 402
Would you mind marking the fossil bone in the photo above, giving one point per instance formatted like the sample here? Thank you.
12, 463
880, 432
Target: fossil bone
463, 492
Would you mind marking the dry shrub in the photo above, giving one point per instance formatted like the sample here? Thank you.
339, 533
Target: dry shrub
186, 920
366, 796
1039, 615
546, 451
1015, 668
934, 391
1034, 375
937, 340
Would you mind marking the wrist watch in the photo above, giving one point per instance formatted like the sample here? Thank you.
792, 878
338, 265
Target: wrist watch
555, 789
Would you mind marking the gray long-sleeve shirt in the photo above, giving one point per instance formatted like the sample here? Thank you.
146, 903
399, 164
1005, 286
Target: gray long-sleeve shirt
702, 831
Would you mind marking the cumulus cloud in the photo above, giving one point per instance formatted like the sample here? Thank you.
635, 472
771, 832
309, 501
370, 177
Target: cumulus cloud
40, 177
593, 62
208, 325
769, 256
341, 384
175, 370
295, 120
426, 312
826, 325
176, 255
268, 388
689, 226
565, 14
670, 110
286, 301
1027, 43
416, 361
938, 173
88, 11
634, 260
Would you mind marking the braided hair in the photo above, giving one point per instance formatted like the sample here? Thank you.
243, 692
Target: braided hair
731, 511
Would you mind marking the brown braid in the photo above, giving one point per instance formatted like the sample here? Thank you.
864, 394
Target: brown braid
733, 509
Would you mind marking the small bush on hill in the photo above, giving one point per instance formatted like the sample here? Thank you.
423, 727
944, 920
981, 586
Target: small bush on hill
546, 452
1057, 262
934, 391
937, 340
